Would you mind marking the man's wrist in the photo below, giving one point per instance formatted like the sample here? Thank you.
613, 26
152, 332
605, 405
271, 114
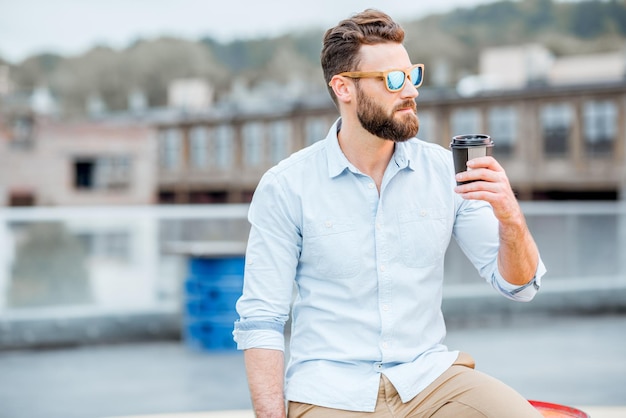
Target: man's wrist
278, 412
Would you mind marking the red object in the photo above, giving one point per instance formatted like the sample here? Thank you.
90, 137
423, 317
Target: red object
552, 410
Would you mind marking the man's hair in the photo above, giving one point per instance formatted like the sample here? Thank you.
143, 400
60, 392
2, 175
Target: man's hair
342, 43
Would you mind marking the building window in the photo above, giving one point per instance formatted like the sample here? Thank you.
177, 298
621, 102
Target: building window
280, 138
108, 245
167, 197
600, 124
465, 121
556, 121
21, 198
223, 137
503, 129
253, 144
170, 144
207, 197
199, 144
102, 173
84, 174
426, 126
316, 129
22, 133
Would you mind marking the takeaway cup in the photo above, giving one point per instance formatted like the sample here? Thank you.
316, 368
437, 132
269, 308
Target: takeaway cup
466, 147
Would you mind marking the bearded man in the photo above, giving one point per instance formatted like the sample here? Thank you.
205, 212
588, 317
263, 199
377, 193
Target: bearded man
360, 223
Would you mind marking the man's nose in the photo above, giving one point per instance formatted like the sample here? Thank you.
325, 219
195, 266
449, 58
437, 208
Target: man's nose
409, 91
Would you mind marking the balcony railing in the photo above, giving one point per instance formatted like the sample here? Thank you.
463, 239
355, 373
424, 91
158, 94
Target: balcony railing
122, 259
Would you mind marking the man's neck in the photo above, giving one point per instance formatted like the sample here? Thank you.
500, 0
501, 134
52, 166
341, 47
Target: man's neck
368, 153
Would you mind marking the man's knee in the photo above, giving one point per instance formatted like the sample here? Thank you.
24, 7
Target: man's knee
490, 397
454, 409
471, 393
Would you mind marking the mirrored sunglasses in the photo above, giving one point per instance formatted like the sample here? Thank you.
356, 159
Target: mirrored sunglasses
394, 79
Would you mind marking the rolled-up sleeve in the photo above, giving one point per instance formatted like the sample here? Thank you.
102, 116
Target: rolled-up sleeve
523, 293
476, 232
272, 256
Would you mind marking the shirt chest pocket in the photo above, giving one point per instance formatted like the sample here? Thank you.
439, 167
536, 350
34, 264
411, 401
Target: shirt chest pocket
331, 247
424, 236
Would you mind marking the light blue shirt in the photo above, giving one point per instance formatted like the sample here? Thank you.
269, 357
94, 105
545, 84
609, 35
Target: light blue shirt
367, 268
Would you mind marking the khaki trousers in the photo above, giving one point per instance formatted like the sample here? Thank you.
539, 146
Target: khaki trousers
459, 392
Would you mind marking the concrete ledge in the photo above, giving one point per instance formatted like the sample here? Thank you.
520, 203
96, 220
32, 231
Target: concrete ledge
43, 328
604, 411
593, 411
468, 305
213, 414
463, 306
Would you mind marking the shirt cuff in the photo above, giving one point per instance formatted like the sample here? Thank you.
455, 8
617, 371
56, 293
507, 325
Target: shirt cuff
525, 292
269, 339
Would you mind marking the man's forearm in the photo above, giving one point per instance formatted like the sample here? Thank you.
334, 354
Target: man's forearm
265, 370
518, 256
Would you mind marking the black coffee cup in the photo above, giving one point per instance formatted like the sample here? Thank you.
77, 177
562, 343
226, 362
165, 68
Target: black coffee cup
467, 147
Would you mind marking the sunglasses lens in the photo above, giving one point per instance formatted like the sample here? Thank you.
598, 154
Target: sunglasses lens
416, 76
395, 80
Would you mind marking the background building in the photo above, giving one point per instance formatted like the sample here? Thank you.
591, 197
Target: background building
559, 136
558, 124
51, 163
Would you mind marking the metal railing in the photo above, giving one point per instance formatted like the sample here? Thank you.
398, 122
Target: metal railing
577, 241
118, 259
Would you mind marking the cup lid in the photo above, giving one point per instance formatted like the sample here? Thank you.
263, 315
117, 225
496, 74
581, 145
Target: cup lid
471, 140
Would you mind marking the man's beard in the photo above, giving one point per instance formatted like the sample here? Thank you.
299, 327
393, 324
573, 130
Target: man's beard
374, 119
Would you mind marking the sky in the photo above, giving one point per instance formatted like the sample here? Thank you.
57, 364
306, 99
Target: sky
70, 27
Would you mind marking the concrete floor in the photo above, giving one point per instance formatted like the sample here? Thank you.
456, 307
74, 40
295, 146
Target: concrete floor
574, 360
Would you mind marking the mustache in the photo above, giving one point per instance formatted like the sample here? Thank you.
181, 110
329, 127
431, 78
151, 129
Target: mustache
406, 104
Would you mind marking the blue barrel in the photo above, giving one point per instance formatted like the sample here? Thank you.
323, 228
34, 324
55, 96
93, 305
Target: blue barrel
211, 292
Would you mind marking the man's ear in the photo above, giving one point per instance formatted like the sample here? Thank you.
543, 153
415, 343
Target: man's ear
343, 88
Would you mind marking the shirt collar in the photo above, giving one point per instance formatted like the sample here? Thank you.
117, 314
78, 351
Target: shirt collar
337, 161
402, 157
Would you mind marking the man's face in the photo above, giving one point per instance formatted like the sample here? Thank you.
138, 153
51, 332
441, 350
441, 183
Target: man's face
398, 124
388, 115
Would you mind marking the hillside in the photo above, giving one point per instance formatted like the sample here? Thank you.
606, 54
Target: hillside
448, 43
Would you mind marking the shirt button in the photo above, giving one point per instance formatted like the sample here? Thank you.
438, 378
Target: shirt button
385, 345
371, 185
423, 212
385, 307
383, 268
379, 227
328, 224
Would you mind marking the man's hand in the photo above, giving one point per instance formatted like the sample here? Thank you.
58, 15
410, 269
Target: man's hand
491, 185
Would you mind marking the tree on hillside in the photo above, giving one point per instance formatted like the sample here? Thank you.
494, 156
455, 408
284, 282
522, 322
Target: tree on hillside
96, 73
286, 64
240, 55
538, 14
617, 11
588, 19
152, 65
36, 70
146, 66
